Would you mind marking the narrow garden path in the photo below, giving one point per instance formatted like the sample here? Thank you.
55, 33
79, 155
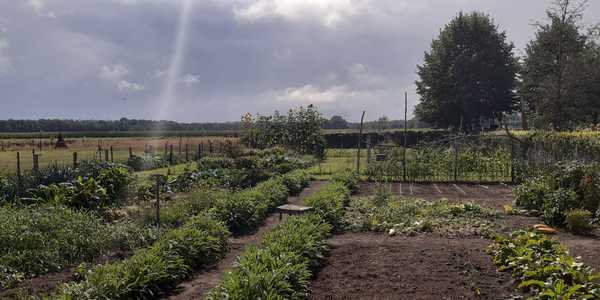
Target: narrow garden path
202, 282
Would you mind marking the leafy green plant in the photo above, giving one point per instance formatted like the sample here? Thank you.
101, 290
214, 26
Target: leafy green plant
295, 181
329, 202
556, 206
154, 271
531, 194
412, 216
579, 221
38, 240
543, 267
348, 178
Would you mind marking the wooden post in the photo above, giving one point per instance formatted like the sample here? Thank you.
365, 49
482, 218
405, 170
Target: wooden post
179, 146
36, 163
106, 155
130, 152
210, 146
455, 162
166, 149
370, 146
18, 173
170, 154
112, 154
158, 204
512, 162
405, 136
199, 151
187, 152
74, 160
359, 143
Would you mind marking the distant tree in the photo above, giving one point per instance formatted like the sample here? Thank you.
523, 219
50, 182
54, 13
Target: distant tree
592, 77
554, 69
336, 122
383, 123
299, 130
468, 75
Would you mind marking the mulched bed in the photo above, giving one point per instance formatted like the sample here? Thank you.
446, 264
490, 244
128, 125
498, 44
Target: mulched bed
375, 266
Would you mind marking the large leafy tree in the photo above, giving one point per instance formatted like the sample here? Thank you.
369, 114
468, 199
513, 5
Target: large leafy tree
556, 69
468, 75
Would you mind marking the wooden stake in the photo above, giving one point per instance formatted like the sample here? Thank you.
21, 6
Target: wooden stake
359, 143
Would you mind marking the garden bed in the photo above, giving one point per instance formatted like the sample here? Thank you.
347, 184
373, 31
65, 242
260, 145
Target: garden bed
375, 266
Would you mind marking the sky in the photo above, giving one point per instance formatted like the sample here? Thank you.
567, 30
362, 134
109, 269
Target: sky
107, 59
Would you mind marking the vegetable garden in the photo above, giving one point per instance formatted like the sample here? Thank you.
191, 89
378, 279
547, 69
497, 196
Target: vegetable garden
109, 232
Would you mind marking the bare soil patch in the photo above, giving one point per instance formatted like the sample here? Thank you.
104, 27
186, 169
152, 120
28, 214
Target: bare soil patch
375, 266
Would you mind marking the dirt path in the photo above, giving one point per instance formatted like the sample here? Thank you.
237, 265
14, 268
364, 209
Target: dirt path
202, 282
375, 266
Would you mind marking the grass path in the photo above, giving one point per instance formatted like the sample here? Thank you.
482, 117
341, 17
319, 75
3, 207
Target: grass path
202, 282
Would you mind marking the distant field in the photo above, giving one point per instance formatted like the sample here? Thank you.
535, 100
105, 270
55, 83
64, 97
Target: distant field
87, 149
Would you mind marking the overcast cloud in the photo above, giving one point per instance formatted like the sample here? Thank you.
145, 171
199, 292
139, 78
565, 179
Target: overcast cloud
107, 59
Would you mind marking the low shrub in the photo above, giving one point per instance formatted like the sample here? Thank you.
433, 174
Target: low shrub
531, 193
543, 268
138, 163
557, 204
349, 178
296, 181
329, 202
245, 210
579, 221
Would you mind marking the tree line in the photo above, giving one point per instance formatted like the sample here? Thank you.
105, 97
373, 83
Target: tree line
471, 79
124, 124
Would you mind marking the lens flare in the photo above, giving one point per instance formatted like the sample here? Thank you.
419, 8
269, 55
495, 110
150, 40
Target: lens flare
168, 93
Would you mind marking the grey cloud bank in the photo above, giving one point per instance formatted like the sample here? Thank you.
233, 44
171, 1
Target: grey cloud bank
106, 59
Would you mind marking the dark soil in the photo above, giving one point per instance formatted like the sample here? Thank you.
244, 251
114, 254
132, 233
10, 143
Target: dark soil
378, 266
202, 282
375, 266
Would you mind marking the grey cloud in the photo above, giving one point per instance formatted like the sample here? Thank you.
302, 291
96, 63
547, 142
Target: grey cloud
241, 56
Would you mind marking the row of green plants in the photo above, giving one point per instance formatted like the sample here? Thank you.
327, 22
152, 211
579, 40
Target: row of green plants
543, 268
385, 213
233, 173
91, 185
564, 195
151, 272
198, 243
281, 268
36, 240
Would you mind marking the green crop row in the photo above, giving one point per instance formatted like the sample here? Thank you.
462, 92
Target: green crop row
200, 242
543, 268
282, 267
37, 240
153, 271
